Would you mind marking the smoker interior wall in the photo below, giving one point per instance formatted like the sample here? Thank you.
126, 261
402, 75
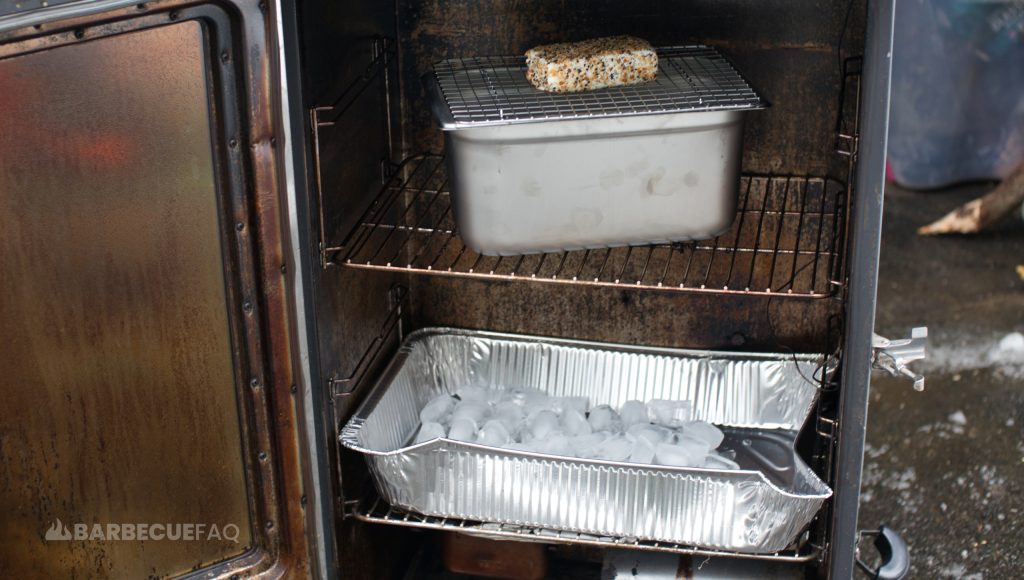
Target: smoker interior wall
625, 316
787, 50
352, 306
337, 44
336, 40
335, 36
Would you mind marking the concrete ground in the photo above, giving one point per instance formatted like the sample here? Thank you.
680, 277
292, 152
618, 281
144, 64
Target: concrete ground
946, 467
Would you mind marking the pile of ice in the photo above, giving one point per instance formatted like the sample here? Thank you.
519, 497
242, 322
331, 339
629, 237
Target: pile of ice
659, 432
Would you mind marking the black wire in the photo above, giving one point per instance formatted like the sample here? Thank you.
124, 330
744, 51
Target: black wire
842, 36
792, 277
840, 120
790, 350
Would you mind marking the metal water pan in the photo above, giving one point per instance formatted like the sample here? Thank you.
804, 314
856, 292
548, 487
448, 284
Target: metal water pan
534, 172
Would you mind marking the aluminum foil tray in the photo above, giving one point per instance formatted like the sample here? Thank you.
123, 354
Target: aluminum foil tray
761, 400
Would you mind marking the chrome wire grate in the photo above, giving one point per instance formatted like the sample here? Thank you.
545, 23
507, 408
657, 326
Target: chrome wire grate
786, 241
375, 510
494, 90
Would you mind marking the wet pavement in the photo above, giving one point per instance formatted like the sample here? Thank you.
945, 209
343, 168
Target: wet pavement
946, 467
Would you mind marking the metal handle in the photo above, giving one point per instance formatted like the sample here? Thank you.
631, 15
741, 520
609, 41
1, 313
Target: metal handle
893, 356
894, 552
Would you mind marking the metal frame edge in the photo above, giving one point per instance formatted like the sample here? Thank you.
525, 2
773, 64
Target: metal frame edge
318, 489
863, 284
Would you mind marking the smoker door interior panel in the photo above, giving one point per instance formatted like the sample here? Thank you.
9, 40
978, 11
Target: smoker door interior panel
118, 374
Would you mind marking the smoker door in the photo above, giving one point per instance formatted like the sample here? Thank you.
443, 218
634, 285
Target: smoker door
149, 424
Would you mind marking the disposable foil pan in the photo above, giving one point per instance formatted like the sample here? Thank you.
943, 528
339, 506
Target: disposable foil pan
761, 400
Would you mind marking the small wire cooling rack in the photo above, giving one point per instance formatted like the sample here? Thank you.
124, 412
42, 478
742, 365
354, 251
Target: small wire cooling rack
494, 90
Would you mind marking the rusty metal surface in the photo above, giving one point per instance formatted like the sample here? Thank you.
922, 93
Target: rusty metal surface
627, 316
352, 307
342, 41
338, 42
162, 391
347, 163
118, 364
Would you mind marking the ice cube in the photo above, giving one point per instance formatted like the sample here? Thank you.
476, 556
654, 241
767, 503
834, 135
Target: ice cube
672, 414
437, 409
526, 397
533, 407
587, 446
604, 418
479, 394
541, 423
705, 432
643, 451
716, 461
462, 429
633, 412
616, 448
556, 443
428, 431
678, 455
654, 434
697, 445
493, 433
475, 410
573, 423
578, 404
510, 414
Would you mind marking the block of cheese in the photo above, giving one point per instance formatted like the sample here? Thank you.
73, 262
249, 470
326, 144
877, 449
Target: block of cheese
591, 64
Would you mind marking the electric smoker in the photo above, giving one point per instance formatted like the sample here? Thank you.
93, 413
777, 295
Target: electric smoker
331, 221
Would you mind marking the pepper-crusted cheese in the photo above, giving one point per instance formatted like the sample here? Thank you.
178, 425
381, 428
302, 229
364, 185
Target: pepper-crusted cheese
591, 64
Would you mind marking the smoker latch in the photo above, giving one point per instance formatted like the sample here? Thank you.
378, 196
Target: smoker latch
893, 356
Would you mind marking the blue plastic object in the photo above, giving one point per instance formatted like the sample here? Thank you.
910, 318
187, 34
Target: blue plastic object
957, 91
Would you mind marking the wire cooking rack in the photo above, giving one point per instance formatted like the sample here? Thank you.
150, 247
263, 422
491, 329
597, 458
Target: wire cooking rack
375, 510
785, 241
494, 90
